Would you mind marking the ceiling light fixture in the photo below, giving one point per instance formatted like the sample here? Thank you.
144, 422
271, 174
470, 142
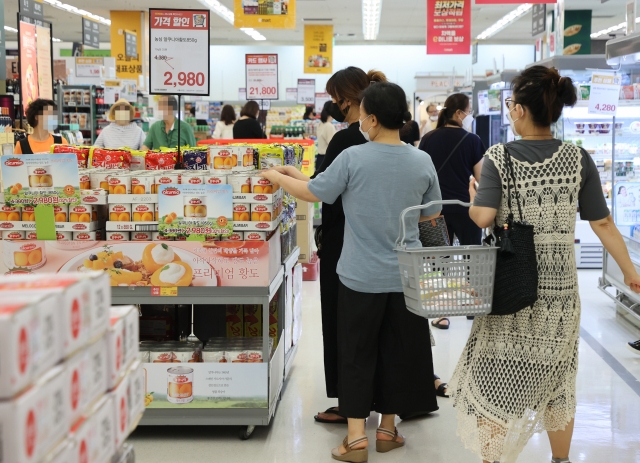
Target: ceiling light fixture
226, 14
611, 29
505, 21
72, 9
371, 10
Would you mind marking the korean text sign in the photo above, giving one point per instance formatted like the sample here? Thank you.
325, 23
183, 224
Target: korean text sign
178, 43
276, 14
262, 77
448, 27
605, 93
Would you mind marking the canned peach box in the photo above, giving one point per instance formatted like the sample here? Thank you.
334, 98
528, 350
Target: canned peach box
235, 236
87, 236
26, 255
223, 158
10, 213
166, 178
261, 185
13, 235
140, 236
255, 236
212, 178
118, 236
120, 212
82, 213
143, 212
29, 214
120, 183
64, 236
61, 212
261, 212
241, 183
156, 236
99, 178
141, 184
241, 212
84, 177
192, 178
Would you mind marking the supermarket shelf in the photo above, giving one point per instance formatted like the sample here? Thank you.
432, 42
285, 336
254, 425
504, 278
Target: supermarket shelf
206, 416
292, 260
288, 360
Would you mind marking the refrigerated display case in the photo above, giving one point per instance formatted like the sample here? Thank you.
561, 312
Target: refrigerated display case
599, 135
492, 125
623, 54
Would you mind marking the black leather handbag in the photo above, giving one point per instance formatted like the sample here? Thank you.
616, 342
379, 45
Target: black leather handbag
433, 233
516, 277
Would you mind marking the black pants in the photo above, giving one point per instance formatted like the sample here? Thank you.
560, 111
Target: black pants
329, 284
384, 356
464, 228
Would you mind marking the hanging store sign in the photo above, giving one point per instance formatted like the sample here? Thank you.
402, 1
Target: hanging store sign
43, 45
604, 94
538, 19
130, 44
448, 27
631, 17
122, 23
262, 14
28, 64
306, 91
178, 43
90, 33
318, 49
577, 32
261, 73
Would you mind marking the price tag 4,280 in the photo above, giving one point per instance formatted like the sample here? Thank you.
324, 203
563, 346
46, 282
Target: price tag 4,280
604, 94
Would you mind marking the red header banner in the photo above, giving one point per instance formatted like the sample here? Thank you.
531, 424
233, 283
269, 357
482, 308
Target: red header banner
449, 27
511, 2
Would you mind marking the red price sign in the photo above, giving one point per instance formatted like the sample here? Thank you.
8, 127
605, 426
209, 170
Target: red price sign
179, 39
262, 77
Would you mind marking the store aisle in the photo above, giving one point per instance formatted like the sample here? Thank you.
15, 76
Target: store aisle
607, 426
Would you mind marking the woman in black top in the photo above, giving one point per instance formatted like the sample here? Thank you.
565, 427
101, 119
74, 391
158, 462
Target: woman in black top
247, 127
456, 155
410, 133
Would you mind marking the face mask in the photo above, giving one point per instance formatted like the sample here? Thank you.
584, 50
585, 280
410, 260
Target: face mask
433, 118
512, 123
122, 116
467, 123
50, 122
336, 112
365, 134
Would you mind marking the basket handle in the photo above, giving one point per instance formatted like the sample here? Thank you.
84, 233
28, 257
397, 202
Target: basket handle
400, 241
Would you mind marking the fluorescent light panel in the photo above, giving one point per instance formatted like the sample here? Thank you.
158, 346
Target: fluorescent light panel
72, 9
505, 21
226, 14
371, 10
611, 29
15, 31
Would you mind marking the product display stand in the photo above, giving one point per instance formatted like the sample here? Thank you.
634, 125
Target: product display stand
273, 372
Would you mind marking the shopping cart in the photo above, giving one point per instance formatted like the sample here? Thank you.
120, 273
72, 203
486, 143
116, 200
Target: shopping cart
446, 281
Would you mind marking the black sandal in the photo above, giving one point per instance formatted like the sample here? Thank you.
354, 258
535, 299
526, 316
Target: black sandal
440, 325
331, 411
440, 391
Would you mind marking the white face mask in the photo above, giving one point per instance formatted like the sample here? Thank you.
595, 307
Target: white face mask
50, 122
365, 134
512, 123
433, 118
122, 115
467, 123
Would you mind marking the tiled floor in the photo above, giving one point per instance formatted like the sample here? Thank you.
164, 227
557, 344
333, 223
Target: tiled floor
607, 422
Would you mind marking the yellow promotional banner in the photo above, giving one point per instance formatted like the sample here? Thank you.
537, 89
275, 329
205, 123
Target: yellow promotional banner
318, 49
263, 14
127, 67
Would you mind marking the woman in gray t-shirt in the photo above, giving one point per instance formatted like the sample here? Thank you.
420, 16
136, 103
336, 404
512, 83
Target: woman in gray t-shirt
385, 350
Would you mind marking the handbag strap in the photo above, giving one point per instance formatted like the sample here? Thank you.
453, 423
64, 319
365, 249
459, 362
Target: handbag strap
451, 153
511, 177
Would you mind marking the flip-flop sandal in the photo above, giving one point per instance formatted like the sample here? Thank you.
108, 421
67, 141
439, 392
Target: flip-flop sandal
440, 391
331, 411
440, 325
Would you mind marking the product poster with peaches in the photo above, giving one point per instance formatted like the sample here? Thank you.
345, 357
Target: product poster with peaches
154, 264
195, 211
32, 179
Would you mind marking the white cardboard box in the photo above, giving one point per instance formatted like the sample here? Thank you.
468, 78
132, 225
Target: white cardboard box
35, 421
63, 453
115, 357
131, 331
94, 435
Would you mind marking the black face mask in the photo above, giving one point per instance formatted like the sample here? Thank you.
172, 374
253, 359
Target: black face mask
336, 112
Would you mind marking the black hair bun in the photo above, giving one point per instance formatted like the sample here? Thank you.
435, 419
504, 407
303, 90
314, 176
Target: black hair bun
567, 91
407, 117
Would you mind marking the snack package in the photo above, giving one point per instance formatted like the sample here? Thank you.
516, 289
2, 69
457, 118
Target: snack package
271, 156
109, 159
195, 158
161, 160
138, 160
81, 152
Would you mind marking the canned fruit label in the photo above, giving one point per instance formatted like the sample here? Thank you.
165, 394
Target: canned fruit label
240, 183
180, 385
223, 158
261, 212
13, 235
255, 236
261, 185
64, 236
195, 207
143, 212
235, 236
118, 236
241, 212
140, 236
120, 212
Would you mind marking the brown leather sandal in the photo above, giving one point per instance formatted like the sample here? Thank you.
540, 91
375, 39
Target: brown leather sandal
383, 446
352, 455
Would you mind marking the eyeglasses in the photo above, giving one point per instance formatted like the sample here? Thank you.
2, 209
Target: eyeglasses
507, 101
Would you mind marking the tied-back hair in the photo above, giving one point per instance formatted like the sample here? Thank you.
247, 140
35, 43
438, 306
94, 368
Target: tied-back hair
388, 102
348, 84
455, 102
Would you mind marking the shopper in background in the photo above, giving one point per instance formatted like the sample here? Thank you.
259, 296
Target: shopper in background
164, 133
121, 132
517, 373
457, 154
248, 127
410, 133
224, 127
200, 122
324, 133
431, 123
43, 118
309, 113
380, 342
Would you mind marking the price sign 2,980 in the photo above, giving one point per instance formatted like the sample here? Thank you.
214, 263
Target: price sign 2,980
262, 77
179, 40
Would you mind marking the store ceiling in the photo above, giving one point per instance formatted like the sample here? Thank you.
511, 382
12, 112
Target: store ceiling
403, 21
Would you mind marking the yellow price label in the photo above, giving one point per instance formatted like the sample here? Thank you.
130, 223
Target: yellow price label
169, 291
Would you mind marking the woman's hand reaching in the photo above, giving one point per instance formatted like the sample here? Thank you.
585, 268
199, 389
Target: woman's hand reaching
633, 282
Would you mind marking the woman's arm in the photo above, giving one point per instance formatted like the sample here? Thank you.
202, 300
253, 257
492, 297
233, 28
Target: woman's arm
612, 241
482, 216
477, 170
100, 140
298, 188
292, 172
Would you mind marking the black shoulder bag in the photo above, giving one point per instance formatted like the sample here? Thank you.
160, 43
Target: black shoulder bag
516, 277
434, 232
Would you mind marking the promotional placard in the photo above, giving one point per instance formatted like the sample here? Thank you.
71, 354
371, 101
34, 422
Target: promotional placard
43, 45
178, 44
321, 99
195, 211
627, 197
89, 67
291, 94
306, 91
538, 19
577, 32
122, 23
448, 27
242, 94
605, 93
276, 14
28, 64
33, 179
318, 49
262, 77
